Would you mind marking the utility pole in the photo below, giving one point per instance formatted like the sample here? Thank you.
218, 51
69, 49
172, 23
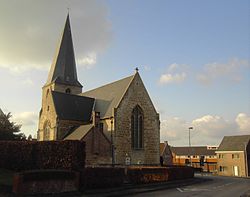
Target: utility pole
190, 144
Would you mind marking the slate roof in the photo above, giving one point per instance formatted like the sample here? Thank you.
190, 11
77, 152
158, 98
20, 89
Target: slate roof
73, 107
63, 69
109, 96
79, 132
194, 150
234, 143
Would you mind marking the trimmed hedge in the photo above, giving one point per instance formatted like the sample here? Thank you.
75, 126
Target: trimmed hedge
28, 155
101, 177
139, 175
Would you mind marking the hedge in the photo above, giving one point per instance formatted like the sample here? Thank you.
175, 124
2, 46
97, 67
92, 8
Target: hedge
101, 177
28, 155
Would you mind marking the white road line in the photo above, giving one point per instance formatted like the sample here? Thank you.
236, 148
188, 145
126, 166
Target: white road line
179, 189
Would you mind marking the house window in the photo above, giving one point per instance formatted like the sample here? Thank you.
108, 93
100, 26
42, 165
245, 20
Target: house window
46, 129
235, 156
221, 155
137, 128
222, 168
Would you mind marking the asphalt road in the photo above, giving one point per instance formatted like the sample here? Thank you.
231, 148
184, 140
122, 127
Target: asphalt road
215, 186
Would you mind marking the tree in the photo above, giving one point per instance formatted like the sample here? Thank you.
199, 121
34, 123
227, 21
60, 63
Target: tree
9, 130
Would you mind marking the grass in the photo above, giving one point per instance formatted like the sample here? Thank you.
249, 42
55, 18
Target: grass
6, 177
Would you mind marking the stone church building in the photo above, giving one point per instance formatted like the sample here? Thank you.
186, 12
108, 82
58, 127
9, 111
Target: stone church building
118, 121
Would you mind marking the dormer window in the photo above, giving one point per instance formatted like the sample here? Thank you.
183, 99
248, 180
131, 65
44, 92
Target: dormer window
68, 91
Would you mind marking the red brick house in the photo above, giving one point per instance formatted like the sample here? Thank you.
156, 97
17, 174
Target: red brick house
197, 156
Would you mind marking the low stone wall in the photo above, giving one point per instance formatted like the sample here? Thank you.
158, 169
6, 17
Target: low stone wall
45, 182
140, 175
101, 177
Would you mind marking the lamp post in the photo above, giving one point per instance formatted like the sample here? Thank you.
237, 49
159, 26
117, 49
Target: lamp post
190, 143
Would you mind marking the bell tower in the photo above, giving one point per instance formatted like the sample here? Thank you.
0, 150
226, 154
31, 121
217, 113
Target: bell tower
62, 78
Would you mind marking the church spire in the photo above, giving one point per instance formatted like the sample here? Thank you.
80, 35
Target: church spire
63, 68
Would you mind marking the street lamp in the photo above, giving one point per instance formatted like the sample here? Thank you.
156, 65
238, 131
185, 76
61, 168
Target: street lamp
190, 143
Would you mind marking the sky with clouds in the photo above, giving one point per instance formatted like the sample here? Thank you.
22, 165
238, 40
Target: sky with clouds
193, 56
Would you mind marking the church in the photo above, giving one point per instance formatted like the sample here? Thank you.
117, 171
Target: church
117, 121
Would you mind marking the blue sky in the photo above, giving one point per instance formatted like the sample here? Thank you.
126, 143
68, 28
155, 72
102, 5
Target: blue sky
193, 57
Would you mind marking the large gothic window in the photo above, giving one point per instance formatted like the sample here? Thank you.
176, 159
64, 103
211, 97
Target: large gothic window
137, 128
46, 131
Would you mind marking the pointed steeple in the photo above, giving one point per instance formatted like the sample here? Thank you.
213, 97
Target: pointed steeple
63, 68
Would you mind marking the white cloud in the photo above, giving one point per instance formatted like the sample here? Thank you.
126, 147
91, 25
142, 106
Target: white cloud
176, 73
207, 130
29, 41
88, 61
230, 71
243, 121
25, 118
173, 129
170, 78
213, 126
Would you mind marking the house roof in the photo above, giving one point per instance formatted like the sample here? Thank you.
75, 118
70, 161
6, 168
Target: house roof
79, 132
234, 143
63, 69
194, 150
109, 96
73, 107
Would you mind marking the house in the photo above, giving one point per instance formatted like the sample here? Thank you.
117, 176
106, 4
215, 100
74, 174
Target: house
166, 154
234, 156
117, 120
197, 156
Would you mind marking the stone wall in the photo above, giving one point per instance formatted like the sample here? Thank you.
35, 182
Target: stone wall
48, 114
150, 154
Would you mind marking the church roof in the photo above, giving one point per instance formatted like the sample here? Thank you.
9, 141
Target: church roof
79, 132
63, 68
109, 96
73, 107
1, 112
234, 143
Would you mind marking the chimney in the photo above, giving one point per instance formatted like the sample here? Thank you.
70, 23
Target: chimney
96, 118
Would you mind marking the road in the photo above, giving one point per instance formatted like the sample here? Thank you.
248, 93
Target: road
215, 186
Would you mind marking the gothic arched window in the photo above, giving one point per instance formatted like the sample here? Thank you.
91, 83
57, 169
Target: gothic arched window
46, 131
137, 128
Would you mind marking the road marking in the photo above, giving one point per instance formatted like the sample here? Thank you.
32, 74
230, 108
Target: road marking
192, 189
179, 189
